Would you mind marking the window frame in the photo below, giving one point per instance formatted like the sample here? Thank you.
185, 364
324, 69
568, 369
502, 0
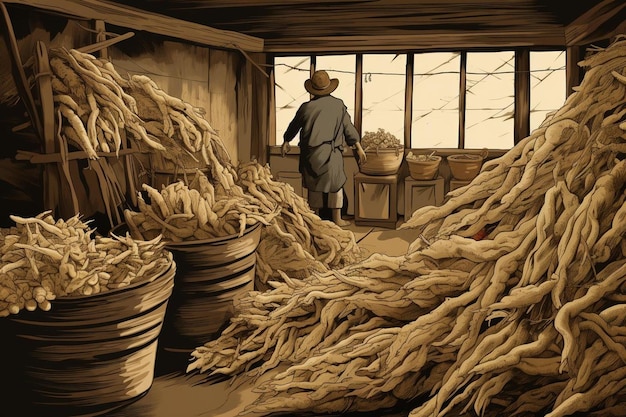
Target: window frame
521, 99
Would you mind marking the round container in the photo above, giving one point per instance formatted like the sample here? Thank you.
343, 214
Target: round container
382, 161
465, 167
211, 274
424, 169
88, 355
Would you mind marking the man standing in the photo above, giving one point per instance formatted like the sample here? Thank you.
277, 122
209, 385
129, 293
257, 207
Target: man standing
324, 124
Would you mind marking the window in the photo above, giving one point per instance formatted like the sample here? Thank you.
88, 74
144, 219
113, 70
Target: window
340, 67
435, 121
476, 88
489, 97
547, 84
383, 85
290, 75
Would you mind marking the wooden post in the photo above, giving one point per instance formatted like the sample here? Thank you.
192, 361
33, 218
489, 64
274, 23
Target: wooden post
522, 95
573, 73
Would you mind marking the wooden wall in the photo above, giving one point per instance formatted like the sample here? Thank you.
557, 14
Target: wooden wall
223, 83
216, 81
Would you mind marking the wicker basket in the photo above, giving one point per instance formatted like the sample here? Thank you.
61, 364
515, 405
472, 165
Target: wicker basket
88, 355
382, 161
424, 169
465, 167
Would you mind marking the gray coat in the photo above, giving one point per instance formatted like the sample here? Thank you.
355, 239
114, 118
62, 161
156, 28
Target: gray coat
324, 125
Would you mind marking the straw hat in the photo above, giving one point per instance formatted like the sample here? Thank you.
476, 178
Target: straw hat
320, 84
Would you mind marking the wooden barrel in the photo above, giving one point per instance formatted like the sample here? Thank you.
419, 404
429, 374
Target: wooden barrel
211, 275
88, 355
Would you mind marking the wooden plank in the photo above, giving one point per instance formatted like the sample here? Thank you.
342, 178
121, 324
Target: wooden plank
244, 110
129, 17
423, 41
210, 4
222, 112
260, 112
584, 29
271, 96
385, 17
177, 68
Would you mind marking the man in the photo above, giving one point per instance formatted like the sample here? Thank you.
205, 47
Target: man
324, 124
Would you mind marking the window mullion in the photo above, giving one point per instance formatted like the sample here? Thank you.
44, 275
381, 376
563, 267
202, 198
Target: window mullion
271, 130
408, 99
462, 97
522, 95
358, 93
313, 59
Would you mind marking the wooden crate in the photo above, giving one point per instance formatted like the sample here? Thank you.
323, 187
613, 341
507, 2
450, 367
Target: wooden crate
376, 200
420, 193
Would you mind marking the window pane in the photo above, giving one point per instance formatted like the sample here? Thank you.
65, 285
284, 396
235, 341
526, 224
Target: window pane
341, 67
435, 122
490, 93
547, 84
383, 93
290, 75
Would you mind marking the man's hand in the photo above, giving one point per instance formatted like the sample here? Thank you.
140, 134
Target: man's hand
361, 153
285, 148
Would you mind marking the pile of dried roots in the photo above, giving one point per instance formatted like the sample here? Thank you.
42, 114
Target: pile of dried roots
530, 320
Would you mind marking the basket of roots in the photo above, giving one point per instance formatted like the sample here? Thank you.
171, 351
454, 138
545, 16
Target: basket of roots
384, 153
423, 166
214, 250
466, 166
81, 316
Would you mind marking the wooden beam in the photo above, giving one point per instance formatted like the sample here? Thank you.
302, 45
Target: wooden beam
585, 28
422, 40
209, 4
129, 17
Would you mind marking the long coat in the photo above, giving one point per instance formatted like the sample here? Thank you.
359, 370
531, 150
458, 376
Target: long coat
324, 125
